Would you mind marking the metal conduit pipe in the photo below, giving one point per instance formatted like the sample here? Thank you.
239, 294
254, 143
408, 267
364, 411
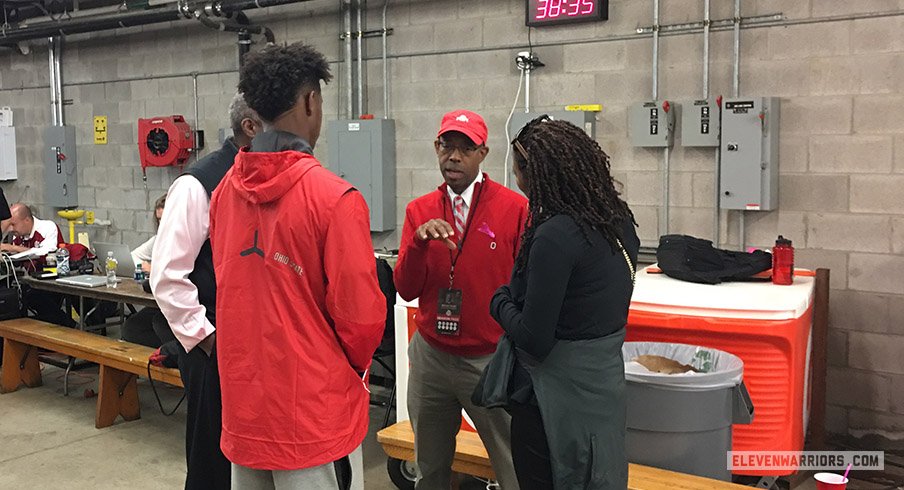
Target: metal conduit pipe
349, 110
92, 24
736, 90
706, 26
666, 153
360, 61
52, 74
58, 78
736, 79
117, 20
717, 198
655, 49
224, 7
385, 66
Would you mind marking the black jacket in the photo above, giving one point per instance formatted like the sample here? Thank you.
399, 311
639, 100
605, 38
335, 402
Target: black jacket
210, 171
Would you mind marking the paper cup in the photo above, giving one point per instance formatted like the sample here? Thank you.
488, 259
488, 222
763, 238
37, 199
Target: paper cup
830, 481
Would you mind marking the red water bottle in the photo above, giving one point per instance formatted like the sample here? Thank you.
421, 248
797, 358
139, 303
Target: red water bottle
782, 262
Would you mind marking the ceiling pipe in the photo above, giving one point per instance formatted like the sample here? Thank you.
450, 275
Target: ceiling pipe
226, 26
159, 15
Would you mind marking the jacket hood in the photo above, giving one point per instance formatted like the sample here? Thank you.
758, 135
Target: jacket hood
262, 177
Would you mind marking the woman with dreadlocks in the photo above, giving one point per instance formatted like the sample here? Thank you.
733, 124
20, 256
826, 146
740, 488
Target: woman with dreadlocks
565, 311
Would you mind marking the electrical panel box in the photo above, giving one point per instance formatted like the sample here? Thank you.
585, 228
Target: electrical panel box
581, 119
8, 166
749, 153
60, 167
652, 123
700, 123
362, 151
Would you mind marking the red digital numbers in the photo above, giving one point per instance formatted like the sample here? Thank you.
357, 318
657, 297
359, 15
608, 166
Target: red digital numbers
551, 12
551, 9
541, 9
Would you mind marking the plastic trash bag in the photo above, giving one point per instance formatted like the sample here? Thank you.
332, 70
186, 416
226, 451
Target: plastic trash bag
715, 368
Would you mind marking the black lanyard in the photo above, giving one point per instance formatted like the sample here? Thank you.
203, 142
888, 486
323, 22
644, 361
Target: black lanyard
461, 243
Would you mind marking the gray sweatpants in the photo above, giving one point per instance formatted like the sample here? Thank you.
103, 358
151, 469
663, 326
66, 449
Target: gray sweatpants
439, 386
321, 477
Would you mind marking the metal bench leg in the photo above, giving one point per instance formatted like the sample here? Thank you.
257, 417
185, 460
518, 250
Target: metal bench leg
20, 366
117, 395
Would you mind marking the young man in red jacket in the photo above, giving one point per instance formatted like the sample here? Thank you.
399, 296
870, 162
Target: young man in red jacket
459, 244
299, 309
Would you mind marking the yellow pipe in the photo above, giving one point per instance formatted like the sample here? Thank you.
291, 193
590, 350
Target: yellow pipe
72, 216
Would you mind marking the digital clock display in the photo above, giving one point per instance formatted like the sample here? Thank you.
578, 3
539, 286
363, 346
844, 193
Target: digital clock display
554, 12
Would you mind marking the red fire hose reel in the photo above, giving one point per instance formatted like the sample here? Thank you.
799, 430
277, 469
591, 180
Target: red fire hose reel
164, 141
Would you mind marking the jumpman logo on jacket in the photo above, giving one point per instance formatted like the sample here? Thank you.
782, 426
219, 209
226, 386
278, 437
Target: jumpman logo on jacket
254, 248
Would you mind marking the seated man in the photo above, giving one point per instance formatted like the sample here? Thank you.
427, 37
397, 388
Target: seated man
39, 237
148, 326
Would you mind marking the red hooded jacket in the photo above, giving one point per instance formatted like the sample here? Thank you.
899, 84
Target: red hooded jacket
495, 224
299, 311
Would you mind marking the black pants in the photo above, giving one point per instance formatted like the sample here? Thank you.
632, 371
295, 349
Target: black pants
207, 467
530, 450
47, 306
147, 327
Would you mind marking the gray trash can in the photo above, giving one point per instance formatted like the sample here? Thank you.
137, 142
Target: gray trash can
682, 422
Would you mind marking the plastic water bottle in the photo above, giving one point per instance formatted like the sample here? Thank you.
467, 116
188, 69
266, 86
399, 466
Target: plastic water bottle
62, 260
111, 269
139, 273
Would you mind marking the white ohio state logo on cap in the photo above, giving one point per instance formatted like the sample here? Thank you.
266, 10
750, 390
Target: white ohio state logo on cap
462, 118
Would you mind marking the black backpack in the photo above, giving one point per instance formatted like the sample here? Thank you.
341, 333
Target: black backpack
387, 287
695, 260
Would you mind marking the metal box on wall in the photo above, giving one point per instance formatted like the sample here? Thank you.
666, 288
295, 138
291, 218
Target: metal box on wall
60, 167
362, 151
8, 165
749, 153
652, 123
582, 119
700, 123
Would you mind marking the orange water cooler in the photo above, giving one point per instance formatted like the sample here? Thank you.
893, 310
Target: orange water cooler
767, 326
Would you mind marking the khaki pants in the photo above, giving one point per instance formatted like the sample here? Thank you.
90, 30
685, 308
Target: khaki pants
439, 386
321, 477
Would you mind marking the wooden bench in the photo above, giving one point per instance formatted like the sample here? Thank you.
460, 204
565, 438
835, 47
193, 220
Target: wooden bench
120, 364
471, 459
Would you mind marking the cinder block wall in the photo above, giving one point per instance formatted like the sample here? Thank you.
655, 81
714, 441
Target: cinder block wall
842, 149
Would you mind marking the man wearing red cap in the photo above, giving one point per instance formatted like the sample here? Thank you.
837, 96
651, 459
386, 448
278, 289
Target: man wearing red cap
459, 244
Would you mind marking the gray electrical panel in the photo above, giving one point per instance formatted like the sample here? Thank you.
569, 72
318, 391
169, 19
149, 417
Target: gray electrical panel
652, 123
362, 151
700, 123
749, 154
581, 119
60, 167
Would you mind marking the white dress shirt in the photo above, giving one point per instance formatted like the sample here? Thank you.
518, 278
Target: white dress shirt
184, 228
50, 237
466, 195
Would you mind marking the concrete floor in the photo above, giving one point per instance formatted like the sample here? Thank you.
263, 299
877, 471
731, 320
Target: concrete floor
48, 440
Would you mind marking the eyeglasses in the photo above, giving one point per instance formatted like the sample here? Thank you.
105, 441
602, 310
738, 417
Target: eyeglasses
517, 144
447, 148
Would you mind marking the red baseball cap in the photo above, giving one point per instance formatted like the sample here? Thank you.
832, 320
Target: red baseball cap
466, 122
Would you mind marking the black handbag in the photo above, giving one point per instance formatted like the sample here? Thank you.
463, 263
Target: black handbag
492, 388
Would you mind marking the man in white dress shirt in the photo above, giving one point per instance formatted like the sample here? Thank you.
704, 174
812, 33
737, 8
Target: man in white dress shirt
184, 286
